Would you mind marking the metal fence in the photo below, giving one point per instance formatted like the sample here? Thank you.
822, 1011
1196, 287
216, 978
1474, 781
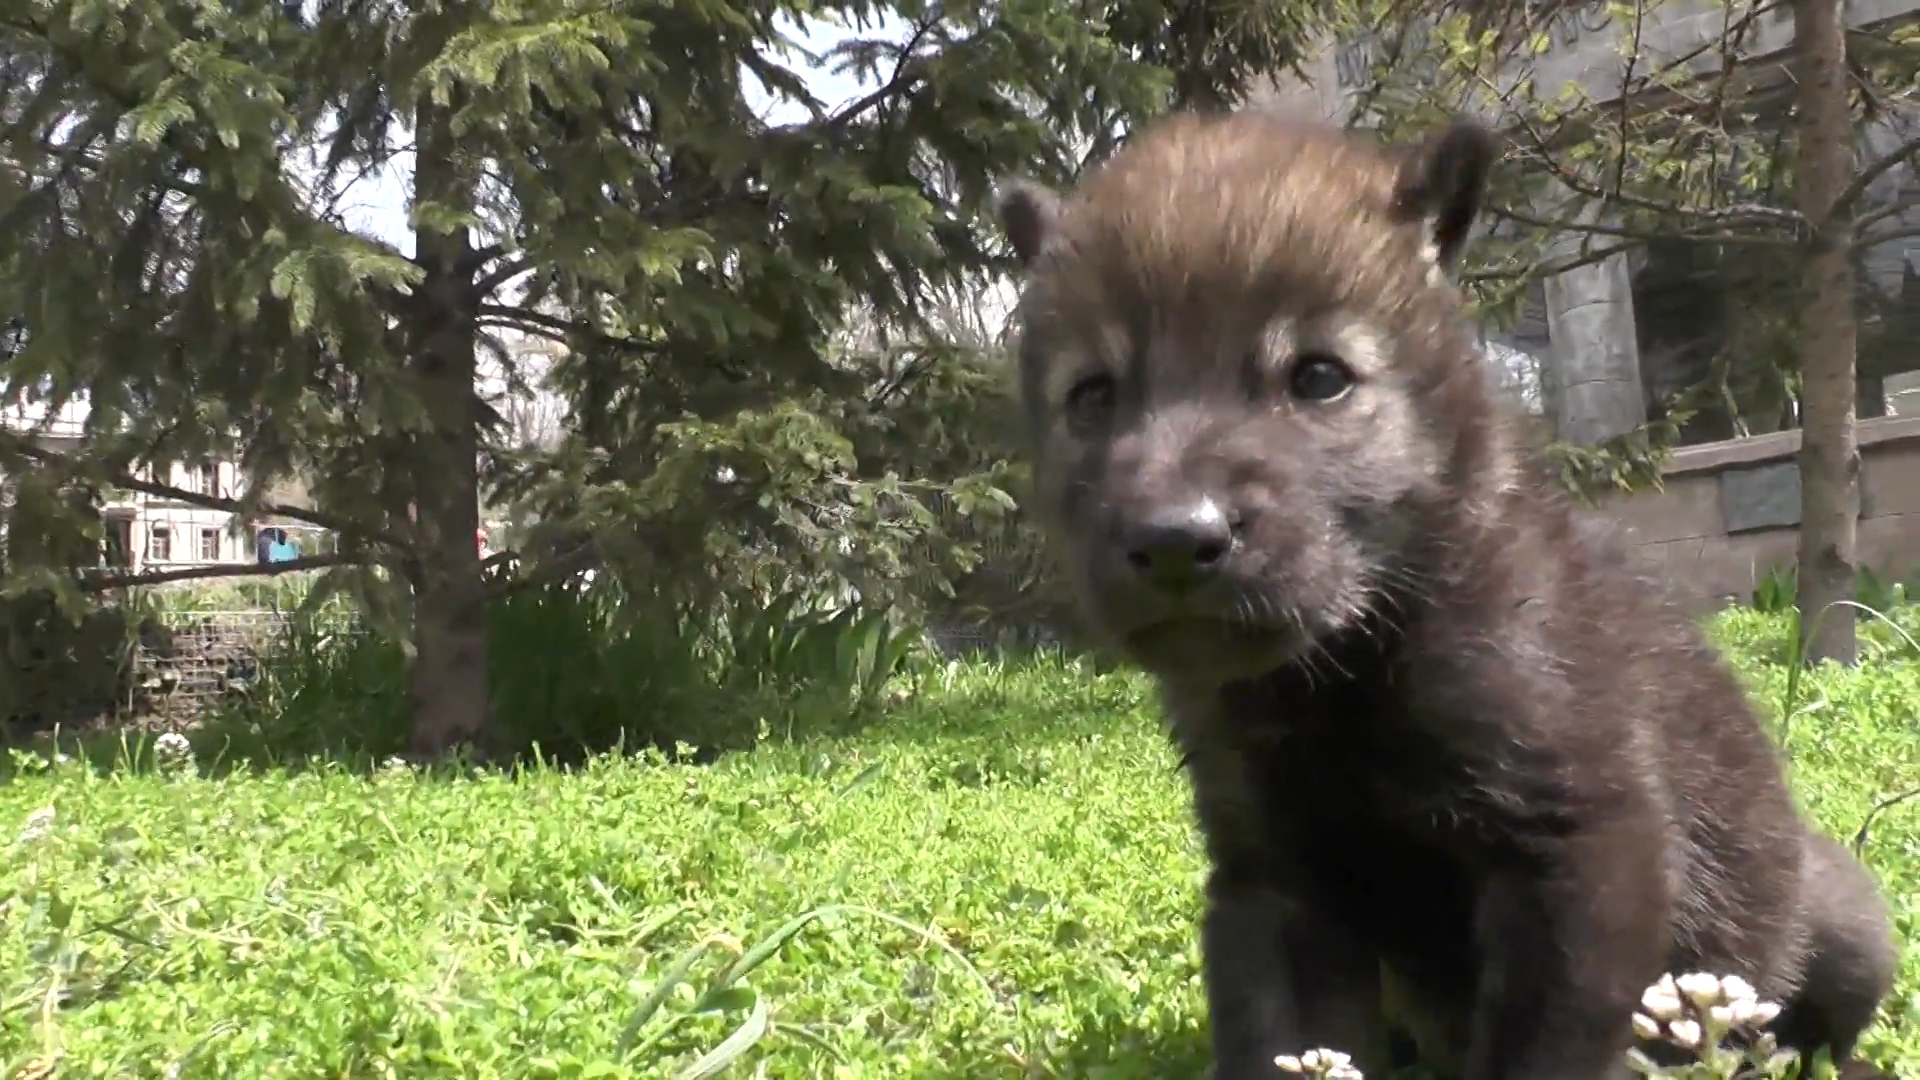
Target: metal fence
958, 641
204, 657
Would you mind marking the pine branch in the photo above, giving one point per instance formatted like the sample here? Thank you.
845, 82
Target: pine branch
908, 73
109, 582
561, 331
582, 556
1554, 267
531, 318
500, 275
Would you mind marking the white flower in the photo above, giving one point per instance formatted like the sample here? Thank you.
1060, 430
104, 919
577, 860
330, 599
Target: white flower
1764, 1012
1738, 989
39, 824
1700, 988
1322, 1063
1721, 1015
1686, 1033
1322, 1060
1646, 1026
1662, 999
172, 746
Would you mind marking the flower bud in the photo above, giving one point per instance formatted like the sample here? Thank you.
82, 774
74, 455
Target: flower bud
1662, 1000
1700, 988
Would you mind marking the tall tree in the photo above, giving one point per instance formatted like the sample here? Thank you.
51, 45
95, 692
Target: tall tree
1829, 334
588, 172
1660, 142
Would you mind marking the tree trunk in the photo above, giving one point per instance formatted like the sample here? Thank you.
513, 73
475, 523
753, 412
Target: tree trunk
1829, 458
447, 684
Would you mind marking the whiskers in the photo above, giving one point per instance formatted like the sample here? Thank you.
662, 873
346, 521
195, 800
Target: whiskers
1258, 610
1377, 606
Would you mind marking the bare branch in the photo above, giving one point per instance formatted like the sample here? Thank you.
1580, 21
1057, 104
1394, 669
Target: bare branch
110, 582
1874, 171
1643, 235
1741, 213
1895, 208
1553, 268
1877, 239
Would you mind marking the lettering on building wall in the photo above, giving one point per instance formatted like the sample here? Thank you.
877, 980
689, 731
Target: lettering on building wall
1575, 25
1355, 59
1414, 55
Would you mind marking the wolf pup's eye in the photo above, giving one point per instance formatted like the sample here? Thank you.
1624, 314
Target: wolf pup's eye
1091, 400
1319, 377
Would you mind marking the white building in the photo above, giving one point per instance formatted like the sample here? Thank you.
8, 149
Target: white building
152, 532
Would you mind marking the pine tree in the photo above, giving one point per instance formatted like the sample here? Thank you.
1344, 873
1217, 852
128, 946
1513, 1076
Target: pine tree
588, 171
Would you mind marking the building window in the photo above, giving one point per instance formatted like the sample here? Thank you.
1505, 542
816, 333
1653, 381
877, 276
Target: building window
119, 542
159, 544
203, 478
209, 545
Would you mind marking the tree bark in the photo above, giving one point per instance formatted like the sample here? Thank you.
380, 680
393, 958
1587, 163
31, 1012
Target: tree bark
447, 684
1829, 457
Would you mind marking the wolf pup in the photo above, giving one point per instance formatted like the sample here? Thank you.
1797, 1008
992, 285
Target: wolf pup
1447, 748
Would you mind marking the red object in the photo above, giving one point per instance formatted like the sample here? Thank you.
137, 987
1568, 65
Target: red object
480, 538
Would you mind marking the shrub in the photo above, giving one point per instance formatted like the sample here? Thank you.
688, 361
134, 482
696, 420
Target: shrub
60, 668
576, 668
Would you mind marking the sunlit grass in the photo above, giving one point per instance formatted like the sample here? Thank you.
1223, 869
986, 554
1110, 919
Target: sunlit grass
997, 879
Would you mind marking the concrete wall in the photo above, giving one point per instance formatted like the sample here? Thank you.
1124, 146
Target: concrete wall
1731, 510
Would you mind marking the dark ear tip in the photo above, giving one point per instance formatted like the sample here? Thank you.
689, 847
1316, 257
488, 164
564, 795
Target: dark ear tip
1454, 159
1026, 211
1472, 131
1017, 197
1467, 144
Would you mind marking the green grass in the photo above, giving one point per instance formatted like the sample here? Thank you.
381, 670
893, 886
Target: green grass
1004, 873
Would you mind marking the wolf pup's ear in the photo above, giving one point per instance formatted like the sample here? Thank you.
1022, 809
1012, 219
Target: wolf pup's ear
1442, 182
1030, 215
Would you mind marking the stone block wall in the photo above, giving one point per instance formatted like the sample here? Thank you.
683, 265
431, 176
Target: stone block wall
1731, 510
